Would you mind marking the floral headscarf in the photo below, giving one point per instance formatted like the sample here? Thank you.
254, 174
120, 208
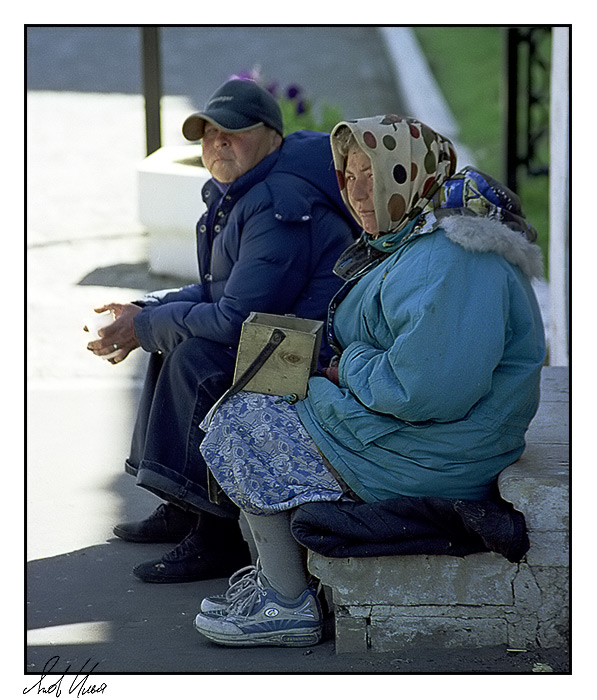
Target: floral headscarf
410, 206
409, 162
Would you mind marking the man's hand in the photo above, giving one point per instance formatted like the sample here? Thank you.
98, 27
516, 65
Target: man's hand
119, 335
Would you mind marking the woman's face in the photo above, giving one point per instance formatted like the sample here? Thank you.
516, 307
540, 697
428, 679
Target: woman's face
358, 177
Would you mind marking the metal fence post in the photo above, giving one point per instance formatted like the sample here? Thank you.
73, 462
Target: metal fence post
152, 87
511, 111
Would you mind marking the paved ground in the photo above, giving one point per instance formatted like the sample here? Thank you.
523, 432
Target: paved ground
85, 246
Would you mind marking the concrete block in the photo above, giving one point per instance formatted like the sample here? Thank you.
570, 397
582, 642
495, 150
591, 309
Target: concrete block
554, 584
548, 548
170, 204
522, 632
360, 610
351, 633
527, 594
418, 580
555, 384
553, 613
551, 424
538, 486
465, 612
392, 633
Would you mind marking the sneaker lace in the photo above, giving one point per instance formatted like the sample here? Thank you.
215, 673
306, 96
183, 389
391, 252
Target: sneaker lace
244, 592
239, 581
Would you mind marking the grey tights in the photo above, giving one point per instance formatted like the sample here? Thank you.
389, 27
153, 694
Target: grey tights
282, 559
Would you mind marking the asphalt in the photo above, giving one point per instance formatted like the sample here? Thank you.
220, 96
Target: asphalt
85, 246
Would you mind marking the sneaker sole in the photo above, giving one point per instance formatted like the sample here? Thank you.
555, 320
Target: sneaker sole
280, 638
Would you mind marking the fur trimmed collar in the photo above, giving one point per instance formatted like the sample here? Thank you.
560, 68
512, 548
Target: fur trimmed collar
483, 235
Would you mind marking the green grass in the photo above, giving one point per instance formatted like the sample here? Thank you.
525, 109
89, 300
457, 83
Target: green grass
469, 66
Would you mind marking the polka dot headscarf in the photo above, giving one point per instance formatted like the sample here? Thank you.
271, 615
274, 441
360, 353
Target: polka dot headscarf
409, 161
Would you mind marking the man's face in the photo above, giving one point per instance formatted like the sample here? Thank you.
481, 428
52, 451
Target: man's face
227, 156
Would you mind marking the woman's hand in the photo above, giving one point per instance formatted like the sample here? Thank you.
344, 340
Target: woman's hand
331, 373
119, 335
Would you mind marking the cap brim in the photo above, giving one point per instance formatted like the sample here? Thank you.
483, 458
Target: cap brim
194, 126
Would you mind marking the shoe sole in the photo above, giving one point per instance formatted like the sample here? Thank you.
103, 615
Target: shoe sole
279, 638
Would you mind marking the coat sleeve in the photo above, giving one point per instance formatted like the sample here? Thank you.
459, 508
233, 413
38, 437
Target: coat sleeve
271, 269
447, 316
191, 292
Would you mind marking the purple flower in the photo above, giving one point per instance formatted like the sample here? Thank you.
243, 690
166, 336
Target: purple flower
293, 91
301, 107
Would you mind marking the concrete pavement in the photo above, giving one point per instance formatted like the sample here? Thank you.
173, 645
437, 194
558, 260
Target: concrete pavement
85, 247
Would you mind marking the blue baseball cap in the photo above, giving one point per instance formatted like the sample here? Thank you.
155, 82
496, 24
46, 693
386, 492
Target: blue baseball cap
238, 105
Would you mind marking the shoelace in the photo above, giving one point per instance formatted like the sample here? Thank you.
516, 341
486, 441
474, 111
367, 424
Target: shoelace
239, 581
245, 596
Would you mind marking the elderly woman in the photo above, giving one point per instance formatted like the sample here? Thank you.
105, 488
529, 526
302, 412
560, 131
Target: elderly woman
439, 345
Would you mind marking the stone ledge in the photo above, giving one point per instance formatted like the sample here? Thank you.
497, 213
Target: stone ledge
478, 579
536, 617
538, 486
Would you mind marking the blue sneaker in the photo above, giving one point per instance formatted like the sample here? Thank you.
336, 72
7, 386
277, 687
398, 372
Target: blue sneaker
260, 616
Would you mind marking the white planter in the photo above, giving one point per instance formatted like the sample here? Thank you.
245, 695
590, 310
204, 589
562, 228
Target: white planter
170, 204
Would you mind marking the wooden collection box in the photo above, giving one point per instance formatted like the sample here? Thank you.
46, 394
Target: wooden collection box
289, 367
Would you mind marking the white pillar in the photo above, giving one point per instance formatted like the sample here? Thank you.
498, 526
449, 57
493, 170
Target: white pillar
559, 196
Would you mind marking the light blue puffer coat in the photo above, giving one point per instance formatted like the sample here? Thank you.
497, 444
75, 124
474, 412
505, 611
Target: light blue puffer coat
443, 346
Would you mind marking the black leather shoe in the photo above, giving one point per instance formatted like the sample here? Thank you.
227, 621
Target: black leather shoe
167, 523
196, 559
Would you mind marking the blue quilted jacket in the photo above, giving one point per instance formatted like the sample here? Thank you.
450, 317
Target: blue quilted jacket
269, 243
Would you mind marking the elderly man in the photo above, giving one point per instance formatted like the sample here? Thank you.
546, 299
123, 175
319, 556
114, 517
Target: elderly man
274, 226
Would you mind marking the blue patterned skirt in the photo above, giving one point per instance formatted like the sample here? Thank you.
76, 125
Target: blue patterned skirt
262, 456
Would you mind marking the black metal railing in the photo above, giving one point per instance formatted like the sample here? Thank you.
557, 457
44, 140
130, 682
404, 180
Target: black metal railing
528, 63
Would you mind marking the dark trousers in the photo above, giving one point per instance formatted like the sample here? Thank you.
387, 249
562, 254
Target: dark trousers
180, 388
